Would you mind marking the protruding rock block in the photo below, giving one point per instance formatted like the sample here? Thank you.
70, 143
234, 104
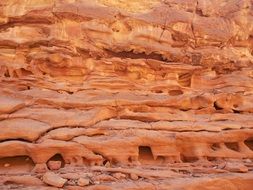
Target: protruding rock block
53, 179
54, 165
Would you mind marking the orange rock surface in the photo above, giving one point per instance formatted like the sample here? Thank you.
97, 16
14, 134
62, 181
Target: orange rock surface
126, 94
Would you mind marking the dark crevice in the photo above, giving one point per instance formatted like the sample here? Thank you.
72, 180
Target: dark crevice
215, 146
95, 134
232, 146
7, 74
184, 109
157, 91
130, 159
25, 72
189, 159
69, 92
58, 157
17, 139
87, 161
249, 143
216, 106
145, 153
160, 159
211, 159
236, 111
105, 162
133, 55
138, 118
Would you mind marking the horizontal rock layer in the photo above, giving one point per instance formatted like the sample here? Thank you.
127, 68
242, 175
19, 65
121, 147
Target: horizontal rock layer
126, 94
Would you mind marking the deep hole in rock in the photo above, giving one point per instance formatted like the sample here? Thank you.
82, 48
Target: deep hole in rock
25, 72
17, 164
145, 153
232, 145
216, 106
211, 159
175, 92
104, 162
7, 74
249, 143
215, 146
160, 159
69, 92
58, 157
130, 160
157, 91
9, 182
184, 109
96, 134
236, 111
190, 159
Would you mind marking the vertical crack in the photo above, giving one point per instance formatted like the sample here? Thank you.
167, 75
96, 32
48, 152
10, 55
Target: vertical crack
192, 23
164, 26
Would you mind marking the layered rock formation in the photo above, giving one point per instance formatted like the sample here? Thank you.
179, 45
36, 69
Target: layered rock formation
117, 94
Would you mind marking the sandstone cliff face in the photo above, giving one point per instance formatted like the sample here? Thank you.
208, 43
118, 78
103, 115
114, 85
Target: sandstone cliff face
117, 94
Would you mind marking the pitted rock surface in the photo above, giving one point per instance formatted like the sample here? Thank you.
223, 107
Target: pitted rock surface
126, 94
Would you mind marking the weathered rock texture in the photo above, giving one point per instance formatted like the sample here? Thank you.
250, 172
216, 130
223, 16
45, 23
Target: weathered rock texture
126, 94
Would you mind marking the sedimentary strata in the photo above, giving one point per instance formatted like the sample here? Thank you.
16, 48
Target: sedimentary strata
126, 94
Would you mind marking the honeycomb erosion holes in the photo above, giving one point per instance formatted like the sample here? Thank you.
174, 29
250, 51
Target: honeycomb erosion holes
129, 94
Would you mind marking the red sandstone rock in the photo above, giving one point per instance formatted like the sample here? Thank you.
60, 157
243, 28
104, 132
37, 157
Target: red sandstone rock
134, 176
53, 179
236, 167
119, 175
116, 91
83, 182
103, 178
54, 165
40, 168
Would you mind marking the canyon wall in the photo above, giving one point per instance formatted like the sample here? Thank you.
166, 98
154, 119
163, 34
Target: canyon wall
126, 94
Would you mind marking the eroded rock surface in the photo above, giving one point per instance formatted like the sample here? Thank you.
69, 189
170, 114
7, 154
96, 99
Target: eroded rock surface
126, 94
